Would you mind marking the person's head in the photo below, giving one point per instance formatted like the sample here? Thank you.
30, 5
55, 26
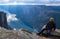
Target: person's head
51, 19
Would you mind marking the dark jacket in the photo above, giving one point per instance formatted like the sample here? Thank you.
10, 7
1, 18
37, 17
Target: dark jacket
51, 25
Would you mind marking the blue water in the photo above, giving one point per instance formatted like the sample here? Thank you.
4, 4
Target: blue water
32, 16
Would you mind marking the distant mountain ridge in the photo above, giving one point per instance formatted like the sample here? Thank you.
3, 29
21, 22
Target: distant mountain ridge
32, 16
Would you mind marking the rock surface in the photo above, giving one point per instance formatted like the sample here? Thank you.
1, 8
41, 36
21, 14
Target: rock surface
18, 34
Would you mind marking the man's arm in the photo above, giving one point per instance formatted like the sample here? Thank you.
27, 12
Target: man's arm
54, 27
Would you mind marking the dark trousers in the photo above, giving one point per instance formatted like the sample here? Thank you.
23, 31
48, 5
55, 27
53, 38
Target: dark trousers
47, 33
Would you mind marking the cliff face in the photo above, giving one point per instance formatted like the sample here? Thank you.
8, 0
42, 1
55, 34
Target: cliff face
3, 20
19, 34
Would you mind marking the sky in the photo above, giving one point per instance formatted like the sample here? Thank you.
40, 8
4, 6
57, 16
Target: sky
30, 2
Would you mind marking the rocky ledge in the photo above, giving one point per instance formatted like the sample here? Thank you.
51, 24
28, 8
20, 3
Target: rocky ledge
19, 34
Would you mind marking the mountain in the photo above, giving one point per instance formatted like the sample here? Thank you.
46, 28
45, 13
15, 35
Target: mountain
32, 16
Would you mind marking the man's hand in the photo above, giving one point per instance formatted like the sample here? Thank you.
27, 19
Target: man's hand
53, 30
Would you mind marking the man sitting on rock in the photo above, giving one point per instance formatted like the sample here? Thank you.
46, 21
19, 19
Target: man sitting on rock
49, 27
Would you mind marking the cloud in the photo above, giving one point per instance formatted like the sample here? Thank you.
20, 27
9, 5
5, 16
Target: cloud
4, 1
31, 2
11, 17
52, 4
